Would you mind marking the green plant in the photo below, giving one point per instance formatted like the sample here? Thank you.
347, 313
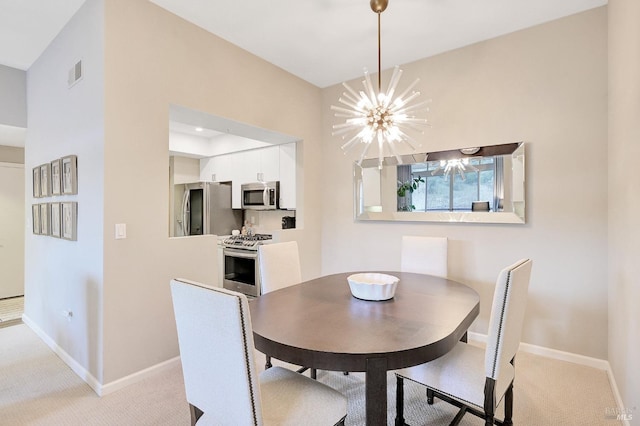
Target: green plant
410, 185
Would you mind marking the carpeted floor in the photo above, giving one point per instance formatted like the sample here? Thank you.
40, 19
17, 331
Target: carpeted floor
37, 388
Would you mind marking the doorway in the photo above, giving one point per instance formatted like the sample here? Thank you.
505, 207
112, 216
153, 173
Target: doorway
12, 236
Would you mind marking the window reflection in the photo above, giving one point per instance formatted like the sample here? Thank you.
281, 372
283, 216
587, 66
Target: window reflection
451, 185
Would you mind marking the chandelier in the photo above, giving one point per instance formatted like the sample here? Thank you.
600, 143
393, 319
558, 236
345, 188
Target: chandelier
456, 165
378, 117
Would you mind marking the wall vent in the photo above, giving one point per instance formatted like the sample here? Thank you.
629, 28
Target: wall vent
75, 74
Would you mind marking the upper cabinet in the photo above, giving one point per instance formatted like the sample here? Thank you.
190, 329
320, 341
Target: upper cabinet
273, 163
288, 176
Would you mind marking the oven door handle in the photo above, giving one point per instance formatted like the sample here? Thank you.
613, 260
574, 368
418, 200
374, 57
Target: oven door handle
241, 253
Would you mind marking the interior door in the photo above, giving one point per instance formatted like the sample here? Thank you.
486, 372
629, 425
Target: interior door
12, 230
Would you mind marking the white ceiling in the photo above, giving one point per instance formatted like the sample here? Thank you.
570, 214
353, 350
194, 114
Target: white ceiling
323, 42
329, 41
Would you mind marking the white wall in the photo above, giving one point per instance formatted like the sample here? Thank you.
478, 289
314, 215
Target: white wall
13, 102
547, 86
59, 274
624, 200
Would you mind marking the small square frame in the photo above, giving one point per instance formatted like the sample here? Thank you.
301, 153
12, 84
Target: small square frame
45, 181
45, 228
56, 177
35, 218
69, 218
69, 174
56, 221
36, 182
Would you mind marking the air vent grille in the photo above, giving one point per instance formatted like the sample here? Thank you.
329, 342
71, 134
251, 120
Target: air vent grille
75, 74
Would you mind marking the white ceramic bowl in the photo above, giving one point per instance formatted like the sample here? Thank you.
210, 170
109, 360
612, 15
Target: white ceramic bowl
372, 286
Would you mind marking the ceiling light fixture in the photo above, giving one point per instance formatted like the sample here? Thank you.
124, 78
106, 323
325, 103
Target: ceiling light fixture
378, 116
456, 165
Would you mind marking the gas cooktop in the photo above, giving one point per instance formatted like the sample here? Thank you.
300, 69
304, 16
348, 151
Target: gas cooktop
246, 241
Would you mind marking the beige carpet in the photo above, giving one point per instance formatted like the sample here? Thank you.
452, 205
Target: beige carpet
37, 388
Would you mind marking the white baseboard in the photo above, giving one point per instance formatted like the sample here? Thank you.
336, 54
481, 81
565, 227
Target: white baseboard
68, 359
600, 364
97, 387
139, 375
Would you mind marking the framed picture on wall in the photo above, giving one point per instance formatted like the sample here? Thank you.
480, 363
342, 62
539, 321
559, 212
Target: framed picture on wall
45, 229
56, 177
35, 216
69, 213
70, 175
36, 182
45, 181
56, 223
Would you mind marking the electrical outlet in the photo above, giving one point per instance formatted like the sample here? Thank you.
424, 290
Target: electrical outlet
68, 315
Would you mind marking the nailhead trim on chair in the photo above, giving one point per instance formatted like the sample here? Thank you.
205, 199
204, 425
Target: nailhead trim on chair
504, 303
249, 369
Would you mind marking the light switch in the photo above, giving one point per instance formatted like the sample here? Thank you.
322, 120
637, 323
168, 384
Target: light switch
121, 231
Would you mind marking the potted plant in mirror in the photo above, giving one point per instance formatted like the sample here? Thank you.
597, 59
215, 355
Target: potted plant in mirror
405, 189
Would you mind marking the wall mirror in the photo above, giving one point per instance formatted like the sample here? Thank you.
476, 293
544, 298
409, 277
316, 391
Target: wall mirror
480, 184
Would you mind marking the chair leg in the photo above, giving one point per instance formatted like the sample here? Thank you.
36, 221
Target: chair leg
196, 413
268, 365
508, 407
399, 401
430, 396
314, 374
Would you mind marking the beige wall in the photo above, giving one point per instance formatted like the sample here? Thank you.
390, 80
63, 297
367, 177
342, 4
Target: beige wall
154, 59
12, 154
624, 199
546, 86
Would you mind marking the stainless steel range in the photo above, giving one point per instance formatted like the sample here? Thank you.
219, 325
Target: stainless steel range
241, 269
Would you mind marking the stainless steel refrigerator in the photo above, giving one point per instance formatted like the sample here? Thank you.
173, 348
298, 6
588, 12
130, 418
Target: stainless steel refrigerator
206, 209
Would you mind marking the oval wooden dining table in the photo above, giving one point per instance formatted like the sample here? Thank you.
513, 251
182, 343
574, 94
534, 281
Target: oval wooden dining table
319, 324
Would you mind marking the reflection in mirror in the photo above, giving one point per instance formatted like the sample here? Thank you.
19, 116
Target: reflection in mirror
481, 184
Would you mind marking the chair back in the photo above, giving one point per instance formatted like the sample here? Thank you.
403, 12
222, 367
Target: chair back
507, 316
424, 255
480, 206
216, 351
279, 265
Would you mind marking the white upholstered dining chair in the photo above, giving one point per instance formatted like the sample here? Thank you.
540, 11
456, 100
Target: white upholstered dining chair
424, 255
279, 265
221, 382
475, 379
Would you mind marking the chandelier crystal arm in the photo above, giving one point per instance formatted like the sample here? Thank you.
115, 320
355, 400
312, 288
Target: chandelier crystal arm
395, 78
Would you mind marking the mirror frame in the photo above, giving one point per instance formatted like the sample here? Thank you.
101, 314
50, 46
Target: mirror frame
516, 150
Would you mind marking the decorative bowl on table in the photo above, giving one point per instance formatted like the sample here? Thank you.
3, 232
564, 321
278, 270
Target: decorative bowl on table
372, 285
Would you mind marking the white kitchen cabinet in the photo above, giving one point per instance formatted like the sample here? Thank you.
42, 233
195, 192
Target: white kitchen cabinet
217, 169
259, 165
269, 169
287, 166
274, 163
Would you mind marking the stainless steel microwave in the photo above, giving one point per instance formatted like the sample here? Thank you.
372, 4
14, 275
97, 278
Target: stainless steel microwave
261, 195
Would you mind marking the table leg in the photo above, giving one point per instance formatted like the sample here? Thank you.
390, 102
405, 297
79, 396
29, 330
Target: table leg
376, 391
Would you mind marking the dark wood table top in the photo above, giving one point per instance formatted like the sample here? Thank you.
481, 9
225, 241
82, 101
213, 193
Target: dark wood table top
319, 324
